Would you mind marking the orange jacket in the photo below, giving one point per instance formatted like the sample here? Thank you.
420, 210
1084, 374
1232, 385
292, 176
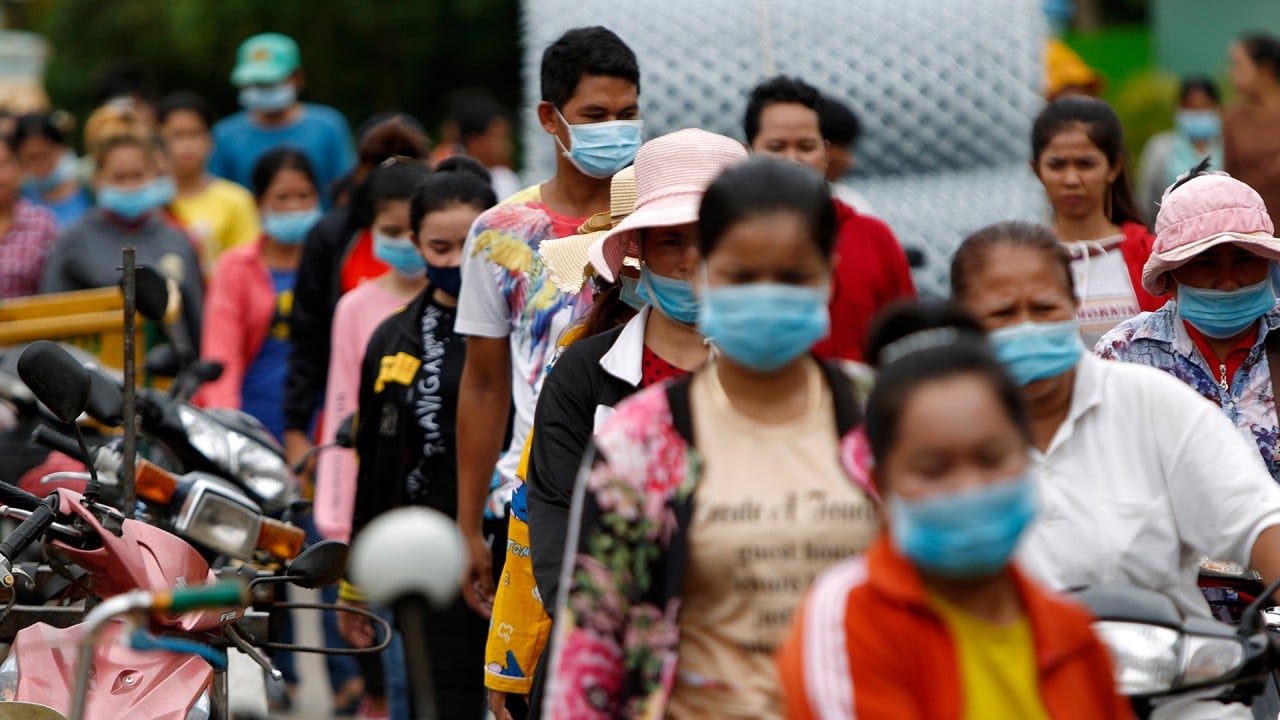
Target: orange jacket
868, 645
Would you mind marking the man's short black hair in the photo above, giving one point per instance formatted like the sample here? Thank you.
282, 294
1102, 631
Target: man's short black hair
183, 100
585, 51
840, 126
781, 89
474, 110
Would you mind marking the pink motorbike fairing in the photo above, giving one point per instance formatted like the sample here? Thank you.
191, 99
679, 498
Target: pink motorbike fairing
142, 557
124, 683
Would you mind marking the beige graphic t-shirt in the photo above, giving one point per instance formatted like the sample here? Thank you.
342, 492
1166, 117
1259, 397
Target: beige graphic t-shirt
772, 509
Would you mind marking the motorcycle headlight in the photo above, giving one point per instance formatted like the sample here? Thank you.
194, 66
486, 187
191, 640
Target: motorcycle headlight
265, 472
1154, 660
201, 709
220, 519
9, 678
1206, 659
1145, 656
206, 436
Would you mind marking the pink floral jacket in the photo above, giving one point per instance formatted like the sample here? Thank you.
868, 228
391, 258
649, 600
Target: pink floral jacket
617, 630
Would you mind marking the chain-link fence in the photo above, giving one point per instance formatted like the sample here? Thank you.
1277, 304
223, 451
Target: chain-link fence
945, 89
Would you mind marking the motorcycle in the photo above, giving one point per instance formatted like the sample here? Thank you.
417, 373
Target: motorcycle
1163, 661
172, 664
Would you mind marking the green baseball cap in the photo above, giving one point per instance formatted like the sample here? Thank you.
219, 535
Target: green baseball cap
265, 59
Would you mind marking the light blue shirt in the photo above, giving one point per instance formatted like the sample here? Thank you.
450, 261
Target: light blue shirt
320, 132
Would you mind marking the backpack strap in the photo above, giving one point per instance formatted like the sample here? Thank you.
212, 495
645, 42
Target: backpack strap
681, 414
1273, 363
848, 414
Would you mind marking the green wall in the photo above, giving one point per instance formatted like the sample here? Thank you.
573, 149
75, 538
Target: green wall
1192, 36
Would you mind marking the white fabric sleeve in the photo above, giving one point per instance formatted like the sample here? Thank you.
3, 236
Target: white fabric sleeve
1223, 496
482, 307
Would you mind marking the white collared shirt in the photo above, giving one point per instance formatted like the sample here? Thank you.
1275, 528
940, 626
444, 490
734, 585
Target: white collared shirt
1143, 479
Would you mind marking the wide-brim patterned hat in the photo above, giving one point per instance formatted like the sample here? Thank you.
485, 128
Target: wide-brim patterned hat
672, 173
1202, 213
566, 258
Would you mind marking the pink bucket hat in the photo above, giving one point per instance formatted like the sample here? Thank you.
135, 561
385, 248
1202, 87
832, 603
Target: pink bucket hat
672, 173
1204, 212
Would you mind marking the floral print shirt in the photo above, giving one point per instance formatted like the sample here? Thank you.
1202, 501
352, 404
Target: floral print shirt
617, 629
1160, 339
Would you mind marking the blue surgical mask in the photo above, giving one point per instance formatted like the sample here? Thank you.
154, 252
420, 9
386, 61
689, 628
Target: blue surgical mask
133, 203
600, 150
290, 228
448, 279
1034, 351
64, 170
1199, 125
673, 298
268, 99
764, 326
968, 534
1225, 313
400, 253
630, 293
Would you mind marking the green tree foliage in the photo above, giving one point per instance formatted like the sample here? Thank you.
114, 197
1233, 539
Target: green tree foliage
361, 56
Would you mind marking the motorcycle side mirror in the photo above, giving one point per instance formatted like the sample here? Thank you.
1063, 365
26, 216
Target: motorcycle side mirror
56, 379
409, 552
106, 400
321, 564
163, 361
345, 437
152, 292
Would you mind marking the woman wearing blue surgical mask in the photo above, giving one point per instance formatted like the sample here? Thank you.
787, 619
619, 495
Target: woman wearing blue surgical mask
383, 200
1139, 476
937, 621
1196, 135
1215, 245
706, 506
51, 173
409, 387
130, 193
250, 296
595, 373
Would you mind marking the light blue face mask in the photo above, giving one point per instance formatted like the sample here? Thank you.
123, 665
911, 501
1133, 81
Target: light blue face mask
969, 534
64, 170
764, 326
630, 293
268, 99
1033, 351
290, 228
401, 254
1225, 313
673, 298
165, 190
133, 203
1199, 125
600, 150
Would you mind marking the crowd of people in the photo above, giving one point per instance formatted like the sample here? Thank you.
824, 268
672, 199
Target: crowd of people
708, 454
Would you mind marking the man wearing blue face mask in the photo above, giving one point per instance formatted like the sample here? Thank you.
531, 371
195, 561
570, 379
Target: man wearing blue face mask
1196, 134
269, 75
509, 309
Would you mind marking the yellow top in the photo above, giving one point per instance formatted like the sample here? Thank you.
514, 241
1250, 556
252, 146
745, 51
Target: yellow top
997, 665
221, 217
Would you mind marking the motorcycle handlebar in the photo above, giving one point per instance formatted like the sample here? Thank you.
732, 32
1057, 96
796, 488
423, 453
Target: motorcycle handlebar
14, 496
29, 531
54, 440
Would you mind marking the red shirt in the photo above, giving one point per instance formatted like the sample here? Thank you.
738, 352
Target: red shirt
360, 264
869, 272
656, 369
1235, 357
